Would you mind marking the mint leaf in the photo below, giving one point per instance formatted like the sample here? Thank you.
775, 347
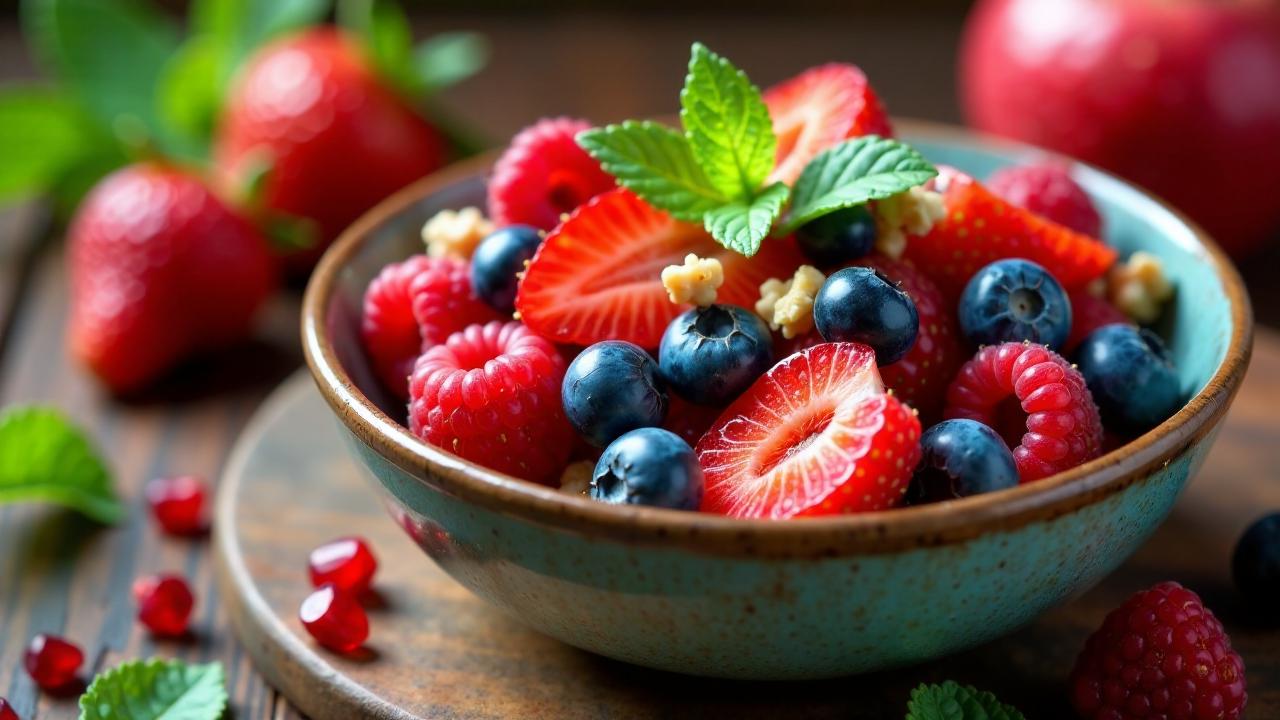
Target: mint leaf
42, 132
156, 690
727, 125
109, 54
853, 172
952, 701
45, 457
656, 163
448, 58
741, 226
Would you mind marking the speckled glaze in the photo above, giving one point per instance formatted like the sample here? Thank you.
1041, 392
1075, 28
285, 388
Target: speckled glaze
707, 595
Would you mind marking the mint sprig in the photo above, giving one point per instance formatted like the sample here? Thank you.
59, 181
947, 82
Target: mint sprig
952, 701
44, 457
156, 690
714, 171
853, 173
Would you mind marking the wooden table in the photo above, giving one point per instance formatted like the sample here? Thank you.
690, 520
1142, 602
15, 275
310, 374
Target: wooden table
59, 573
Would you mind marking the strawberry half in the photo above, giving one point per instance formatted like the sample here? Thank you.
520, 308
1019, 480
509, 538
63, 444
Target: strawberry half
598, 275
816, 435
817, 109
981, 228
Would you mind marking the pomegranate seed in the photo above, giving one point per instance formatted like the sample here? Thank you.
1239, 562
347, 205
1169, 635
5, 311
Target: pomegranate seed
6, 711
334, 619
52, 662
164, 604
178, 504
347, 563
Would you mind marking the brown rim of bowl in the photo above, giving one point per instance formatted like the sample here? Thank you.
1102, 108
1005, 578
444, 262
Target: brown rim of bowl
872, 532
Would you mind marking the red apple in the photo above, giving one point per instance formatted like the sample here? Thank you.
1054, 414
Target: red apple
1179, 96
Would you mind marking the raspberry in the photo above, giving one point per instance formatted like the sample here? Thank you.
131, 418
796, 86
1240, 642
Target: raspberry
491, 394
1028, 393
412, 305
1162, 654
1088, 313
544, 174
1048, 191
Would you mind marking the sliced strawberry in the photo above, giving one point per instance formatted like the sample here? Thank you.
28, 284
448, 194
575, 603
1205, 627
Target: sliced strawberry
816, 435
817, 109
981, 228
598, 275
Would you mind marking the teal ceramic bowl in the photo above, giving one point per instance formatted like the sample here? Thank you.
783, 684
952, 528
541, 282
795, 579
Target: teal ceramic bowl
708, 595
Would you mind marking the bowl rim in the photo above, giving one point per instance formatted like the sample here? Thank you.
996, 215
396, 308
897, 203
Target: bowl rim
865, 533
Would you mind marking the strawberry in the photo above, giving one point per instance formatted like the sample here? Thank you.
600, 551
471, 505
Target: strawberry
160, 268
816, 435
598, 275
817, 109
981, 228
333, 138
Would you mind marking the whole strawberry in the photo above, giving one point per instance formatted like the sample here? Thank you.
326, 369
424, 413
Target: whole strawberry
160, 268
331, 137
1162, 654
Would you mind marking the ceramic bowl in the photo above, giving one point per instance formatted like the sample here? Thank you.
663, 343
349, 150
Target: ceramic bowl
708, 595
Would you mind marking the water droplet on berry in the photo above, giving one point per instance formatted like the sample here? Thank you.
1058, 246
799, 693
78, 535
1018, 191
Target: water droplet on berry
178, 504
347, 563
334, 619
6, 711
164, 604
52, 662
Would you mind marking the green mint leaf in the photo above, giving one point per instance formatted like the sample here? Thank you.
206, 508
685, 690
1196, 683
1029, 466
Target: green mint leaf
388, 39
45, 457
156, 690
448, 58
727, 124
42, 133
741, 226
952, 701
853, 172
109, 54
656, 163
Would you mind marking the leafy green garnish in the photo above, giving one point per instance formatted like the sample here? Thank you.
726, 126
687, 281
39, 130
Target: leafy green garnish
156, 690
727, 124
952, 701
435, 63
852, 173
714, 172
45, 457
41, 134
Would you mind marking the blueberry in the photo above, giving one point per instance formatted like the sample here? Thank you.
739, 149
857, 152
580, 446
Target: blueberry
860, 304
610, 388
497, 260
1130, 376
961, 458
709, 355
839, 237
1256, 563
1013, 301
649, 466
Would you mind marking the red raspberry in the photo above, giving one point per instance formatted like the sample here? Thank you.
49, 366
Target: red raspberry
1048, 191
1029, 393
1088, 313
412, 305
491, 394
1162, 654
544, 174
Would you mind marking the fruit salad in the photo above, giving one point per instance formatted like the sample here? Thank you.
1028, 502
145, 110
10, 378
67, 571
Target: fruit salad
775, 310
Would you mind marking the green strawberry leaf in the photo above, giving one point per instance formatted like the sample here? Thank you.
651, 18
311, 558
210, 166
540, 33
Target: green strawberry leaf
852, 173
190, 91
237, 27
45, 457
42, 133
448, 58
727, 124
77, 179
388, 39
741, 226
952, 701
656, 163
109, 54
156, 690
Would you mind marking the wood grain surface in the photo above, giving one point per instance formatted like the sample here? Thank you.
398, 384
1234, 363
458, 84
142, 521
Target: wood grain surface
61, 574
